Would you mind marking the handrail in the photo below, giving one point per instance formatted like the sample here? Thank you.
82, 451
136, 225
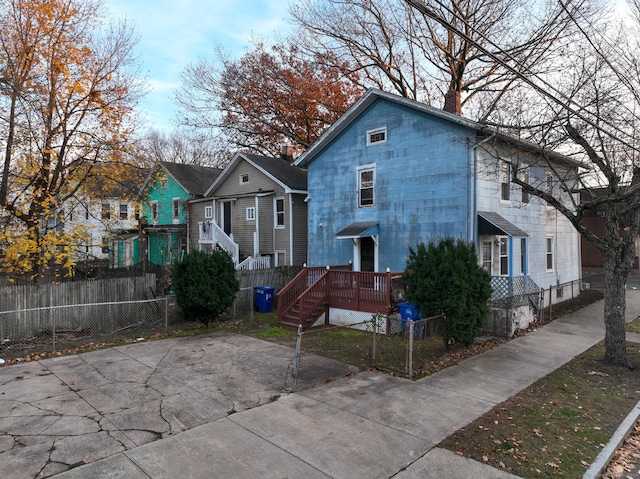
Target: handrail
226, 243
251, 263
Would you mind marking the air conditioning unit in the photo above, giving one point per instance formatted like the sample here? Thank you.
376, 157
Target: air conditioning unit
585, 286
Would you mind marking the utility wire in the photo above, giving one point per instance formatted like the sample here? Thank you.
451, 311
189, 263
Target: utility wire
547, 90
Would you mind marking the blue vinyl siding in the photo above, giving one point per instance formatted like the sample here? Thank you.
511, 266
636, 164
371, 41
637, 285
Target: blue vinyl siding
422, 188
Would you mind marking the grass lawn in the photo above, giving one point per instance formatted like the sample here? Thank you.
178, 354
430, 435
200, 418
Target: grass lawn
557, 426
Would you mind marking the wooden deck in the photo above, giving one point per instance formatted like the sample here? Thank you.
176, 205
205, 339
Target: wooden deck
315, 290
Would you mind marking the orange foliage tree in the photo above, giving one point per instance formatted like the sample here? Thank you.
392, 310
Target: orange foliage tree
269, 97
67, 86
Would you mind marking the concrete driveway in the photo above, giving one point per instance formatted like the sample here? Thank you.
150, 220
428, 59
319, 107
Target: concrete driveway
58, 413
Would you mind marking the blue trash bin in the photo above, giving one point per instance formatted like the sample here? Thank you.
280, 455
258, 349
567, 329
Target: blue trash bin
410, 312
264, 298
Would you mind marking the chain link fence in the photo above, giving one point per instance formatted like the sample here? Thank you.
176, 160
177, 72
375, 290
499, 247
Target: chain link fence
391, 344
55, 328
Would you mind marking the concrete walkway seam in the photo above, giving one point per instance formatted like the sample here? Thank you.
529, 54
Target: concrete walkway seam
618, 437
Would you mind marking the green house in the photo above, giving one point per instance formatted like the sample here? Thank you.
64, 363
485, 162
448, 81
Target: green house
164, 208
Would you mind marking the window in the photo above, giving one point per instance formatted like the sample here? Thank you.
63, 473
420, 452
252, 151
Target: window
549, 253
503, 251
124, 211
559, 292
505, 181
548, 183
154, 211
175, 208
379, 135
366, 185
524, 176
208, 212
86, 211
164, 183
278, 209
251, 213
106, 211
136, 213
486, 256
244, 178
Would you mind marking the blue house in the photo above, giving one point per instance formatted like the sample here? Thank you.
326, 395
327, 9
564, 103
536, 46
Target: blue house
393, 172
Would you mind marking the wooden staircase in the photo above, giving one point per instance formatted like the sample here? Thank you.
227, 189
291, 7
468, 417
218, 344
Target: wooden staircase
304, 300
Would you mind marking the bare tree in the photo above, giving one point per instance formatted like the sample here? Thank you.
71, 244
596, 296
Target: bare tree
590, 112
396, 47
191, 147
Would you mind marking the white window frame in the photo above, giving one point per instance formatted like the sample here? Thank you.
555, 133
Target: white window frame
487, 256
373, 136
251, 213
525, 197
244, 178
105, 212
503, 253
175, 208
505, 181
360, 170
208, 212
549, 252
125, 207
278, 214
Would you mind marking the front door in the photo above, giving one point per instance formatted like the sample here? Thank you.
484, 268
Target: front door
367, 254
226, 217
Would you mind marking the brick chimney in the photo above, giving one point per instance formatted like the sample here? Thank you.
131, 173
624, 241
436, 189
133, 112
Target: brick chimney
452, 102
286, 153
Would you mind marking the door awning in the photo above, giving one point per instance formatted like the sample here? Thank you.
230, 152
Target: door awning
490, 223
358, 230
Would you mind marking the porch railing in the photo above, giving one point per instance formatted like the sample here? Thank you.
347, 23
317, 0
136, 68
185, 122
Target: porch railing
251, 263
344, 289
210, 232
288, 295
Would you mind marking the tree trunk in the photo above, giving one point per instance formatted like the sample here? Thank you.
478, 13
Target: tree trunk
615, 280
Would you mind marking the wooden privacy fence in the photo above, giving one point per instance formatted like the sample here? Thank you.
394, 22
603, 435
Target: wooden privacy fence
77, 292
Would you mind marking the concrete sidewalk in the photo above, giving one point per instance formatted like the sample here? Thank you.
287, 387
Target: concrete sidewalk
368, 425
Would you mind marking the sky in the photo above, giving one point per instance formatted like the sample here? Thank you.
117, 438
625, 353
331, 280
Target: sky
176, 33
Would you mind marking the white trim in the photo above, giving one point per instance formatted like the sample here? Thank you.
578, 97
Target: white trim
208, 212
250, 213
275, 213
359, 170
375, 132
241, 178
548, 241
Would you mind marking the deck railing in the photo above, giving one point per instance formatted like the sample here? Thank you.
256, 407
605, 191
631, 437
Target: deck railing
337, 288
288, 295
251, 263
211, 233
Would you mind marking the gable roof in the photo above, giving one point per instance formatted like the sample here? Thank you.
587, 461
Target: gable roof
292, 178
193, 179
373, 94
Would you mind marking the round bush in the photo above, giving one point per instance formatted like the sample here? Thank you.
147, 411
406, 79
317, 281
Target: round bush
205, 284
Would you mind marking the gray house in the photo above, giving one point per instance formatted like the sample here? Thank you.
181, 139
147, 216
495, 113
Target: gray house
255, 210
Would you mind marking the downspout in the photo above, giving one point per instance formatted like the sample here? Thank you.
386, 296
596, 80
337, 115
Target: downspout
256, 240
290, 229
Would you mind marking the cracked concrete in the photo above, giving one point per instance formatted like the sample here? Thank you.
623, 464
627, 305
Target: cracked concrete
59, 413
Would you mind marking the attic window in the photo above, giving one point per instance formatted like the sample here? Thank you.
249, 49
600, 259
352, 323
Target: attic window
379, 135
244, 178
164, 183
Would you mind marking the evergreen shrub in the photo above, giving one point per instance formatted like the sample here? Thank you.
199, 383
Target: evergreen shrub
205, 284
444, 277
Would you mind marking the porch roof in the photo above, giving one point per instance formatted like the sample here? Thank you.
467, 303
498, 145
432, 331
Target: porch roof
490, 223
358, 230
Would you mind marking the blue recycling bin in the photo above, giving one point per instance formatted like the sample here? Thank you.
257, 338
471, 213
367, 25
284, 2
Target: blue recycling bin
410, 312
264, 298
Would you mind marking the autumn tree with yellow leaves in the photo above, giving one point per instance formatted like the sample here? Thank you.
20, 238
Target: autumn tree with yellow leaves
68, 84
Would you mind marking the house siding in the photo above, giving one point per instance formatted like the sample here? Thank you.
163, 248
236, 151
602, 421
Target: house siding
196, 215
422, 188
299, 231
535, 218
